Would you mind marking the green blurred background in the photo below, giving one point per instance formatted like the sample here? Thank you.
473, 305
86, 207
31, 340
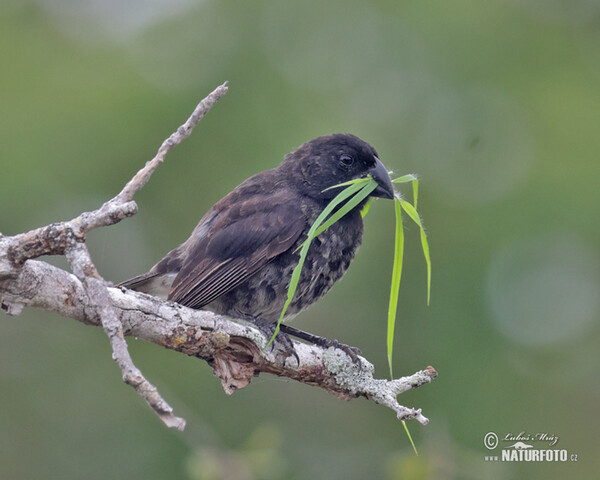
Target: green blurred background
496, 105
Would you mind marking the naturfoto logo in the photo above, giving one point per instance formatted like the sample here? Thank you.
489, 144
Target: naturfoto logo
521, 447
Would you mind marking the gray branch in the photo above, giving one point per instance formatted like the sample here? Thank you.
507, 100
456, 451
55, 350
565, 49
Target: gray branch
236, 351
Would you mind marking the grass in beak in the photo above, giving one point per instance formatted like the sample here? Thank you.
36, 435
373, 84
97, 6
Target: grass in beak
357, 191
353, 194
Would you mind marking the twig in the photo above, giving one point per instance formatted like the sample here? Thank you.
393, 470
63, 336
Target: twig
97, 293
184, 131
68, 238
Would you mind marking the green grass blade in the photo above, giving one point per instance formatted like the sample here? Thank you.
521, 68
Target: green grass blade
350, 182
339, 198
396, 277
415, 185
349, 191
355, 192
405, 178
410, 438
349, 205
425, 247
366, 208
291, 289
412, 213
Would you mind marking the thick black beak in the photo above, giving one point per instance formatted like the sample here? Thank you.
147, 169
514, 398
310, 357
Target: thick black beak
380, 174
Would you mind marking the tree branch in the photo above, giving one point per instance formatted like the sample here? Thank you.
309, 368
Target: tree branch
235, 351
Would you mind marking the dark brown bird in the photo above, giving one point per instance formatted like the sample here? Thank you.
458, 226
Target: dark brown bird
240, 257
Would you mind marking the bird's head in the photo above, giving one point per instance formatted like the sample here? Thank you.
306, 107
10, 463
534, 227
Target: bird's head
330, 160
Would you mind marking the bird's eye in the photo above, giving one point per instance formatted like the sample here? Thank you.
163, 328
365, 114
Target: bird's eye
346, 160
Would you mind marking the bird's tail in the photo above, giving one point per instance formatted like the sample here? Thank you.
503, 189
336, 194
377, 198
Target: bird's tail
138, 281
151, 282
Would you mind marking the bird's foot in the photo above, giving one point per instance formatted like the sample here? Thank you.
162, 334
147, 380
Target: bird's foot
352, 352
282, 343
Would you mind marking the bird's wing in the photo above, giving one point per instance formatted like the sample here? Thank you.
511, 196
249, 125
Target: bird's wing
240, 240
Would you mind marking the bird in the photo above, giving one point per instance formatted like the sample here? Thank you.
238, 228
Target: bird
239, 259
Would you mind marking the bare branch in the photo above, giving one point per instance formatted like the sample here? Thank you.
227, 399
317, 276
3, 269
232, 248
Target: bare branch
67, 238
54, 239
233, 350
184, 131
101, 305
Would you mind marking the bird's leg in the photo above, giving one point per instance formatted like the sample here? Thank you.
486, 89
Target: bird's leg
352, 352
282, 341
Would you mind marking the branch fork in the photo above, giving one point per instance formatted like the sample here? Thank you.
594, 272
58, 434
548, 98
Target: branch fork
234, 350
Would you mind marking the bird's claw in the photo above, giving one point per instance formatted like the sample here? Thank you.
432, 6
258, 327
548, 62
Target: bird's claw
282, 343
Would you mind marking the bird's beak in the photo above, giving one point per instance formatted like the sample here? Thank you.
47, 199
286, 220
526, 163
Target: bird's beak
379, 173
